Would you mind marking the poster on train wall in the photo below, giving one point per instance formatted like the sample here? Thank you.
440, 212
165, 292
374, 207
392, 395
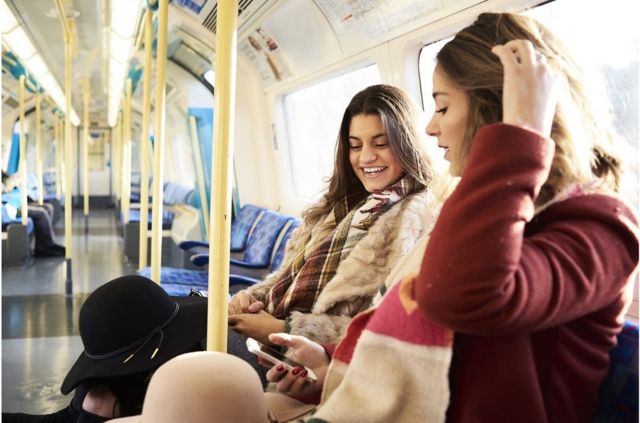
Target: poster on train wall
361, 22
262, 50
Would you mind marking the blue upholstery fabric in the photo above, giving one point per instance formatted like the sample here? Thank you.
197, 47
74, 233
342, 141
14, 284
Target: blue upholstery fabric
262, 239
6, 221
241, 226
618, 400
169, 275
174, 193
167, 218
279, 255
275, 262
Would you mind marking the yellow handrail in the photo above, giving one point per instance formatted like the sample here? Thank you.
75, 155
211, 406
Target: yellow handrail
219, 238
202, 189
39, 150
126, 155
58, 154
68, 154
85, 147
158, 162
117, 159
24, 207
144, 142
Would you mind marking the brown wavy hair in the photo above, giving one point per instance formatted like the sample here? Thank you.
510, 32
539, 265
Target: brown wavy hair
400, 118
583, 136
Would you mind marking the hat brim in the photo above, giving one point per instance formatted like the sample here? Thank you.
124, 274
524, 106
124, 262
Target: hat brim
186, 330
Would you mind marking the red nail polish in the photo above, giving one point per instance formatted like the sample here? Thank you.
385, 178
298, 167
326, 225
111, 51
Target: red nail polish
304, 373
295, 371
280, 368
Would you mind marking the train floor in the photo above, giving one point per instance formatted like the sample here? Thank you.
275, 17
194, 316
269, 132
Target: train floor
40, 339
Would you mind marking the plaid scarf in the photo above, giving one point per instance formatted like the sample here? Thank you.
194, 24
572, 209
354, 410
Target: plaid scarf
328, 245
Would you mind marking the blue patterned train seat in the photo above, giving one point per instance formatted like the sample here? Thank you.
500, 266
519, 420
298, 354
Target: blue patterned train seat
185, 277
242, 224
276, 261
259, 248
618, 401
134, 217
240, 229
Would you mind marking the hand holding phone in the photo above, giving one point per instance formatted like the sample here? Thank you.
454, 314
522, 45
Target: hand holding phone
276, 358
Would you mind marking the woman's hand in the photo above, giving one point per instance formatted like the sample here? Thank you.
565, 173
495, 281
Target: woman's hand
243, 302
531, 87
306, 352
256, 325
101, 401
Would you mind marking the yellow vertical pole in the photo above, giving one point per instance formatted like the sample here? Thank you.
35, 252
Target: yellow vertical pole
197, 158
58, 155
68, 154
85, 148
144, 142
39, 150
117, 160
158, 150
24, 207
219, 238
126, 154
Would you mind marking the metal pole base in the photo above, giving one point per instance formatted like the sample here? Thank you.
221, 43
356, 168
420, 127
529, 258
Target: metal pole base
69, 282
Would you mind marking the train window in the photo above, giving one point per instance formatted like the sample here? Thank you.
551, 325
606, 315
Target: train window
313, 116
604, 40
426, 64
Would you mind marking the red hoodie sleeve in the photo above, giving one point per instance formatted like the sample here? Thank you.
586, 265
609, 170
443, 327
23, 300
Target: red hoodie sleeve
482, 274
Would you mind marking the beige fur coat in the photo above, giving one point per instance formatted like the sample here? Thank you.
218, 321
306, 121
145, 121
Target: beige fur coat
361, 274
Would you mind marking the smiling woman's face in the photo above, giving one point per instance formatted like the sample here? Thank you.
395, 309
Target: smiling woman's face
449, 121
371, 157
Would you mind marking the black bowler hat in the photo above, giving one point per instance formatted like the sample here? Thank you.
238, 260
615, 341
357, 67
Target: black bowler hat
131, 325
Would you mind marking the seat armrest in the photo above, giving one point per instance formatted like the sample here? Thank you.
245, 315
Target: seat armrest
200, 259
187, 245
244, 280
248, 265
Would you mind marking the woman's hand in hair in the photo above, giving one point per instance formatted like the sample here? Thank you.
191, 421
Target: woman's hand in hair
243, 302
256, 325
530, 91
306, 352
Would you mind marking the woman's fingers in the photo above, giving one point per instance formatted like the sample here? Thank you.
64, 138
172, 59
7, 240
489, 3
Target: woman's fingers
291, 382
530, 87
276, 373
506, 56
286, 340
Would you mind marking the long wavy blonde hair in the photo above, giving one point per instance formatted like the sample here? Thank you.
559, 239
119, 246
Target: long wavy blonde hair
583, 136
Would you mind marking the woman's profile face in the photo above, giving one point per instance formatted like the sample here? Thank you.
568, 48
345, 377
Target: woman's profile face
449, 120
370, 155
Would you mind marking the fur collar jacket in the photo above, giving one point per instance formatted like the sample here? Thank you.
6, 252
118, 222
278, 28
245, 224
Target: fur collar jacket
361, 275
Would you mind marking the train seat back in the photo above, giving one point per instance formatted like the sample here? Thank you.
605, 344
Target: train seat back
242, 225
618, 400
261, 241
238, 282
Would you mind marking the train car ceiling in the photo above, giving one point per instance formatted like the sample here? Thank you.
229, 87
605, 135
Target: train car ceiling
284, 39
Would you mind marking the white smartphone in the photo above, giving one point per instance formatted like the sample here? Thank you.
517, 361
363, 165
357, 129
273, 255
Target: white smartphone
273, 356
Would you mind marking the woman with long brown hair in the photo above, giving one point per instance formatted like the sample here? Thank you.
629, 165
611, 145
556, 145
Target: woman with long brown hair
373, 212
